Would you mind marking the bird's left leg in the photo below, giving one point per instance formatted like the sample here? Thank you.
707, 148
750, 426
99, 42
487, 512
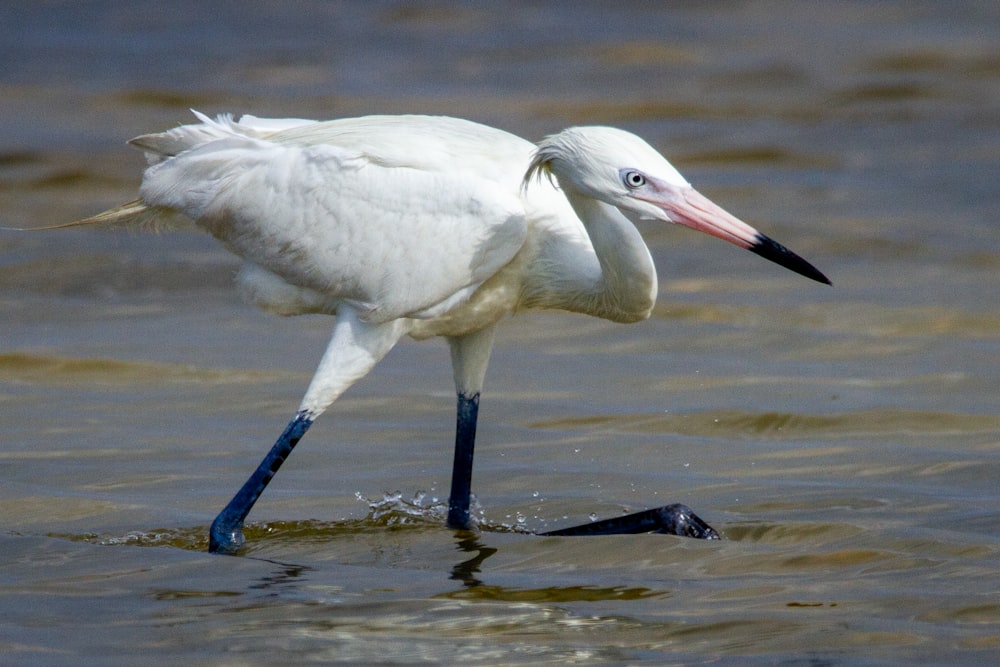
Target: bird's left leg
470, 355
354, 349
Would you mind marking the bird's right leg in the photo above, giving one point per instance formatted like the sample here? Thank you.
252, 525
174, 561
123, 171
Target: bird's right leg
470, 355
354, 349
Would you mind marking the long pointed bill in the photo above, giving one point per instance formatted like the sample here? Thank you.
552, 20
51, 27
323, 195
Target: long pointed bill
692, 209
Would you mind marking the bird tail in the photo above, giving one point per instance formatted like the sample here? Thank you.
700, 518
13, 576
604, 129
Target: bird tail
133, 215
161, 146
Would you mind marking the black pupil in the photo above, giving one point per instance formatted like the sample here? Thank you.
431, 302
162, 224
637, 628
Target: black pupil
635, 179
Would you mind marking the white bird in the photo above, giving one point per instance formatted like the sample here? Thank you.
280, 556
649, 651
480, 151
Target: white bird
422, 226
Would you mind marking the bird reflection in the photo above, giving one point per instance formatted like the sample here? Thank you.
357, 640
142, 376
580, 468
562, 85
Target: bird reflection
467, 570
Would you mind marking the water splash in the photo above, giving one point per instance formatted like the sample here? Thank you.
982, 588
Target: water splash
392, 509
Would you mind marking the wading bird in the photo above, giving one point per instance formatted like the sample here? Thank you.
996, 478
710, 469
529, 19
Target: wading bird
426, 226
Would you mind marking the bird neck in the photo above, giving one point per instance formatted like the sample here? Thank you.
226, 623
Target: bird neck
626, 289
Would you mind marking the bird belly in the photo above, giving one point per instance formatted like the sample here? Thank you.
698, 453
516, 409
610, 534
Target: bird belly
461, 314
494, 299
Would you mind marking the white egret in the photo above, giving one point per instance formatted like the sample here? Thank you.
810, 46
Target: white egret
425, 226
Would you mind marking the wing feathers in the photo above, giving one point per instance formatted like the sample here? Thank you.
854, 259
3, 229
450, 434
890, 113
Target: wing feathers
408, 215
369, 212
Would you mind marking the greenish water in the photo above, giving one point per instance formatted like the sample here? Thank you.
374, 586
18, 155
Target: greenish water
845, 441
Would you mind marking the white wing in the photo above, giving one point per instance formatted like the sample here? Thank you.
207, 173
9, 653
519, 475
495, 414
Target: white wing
400, 216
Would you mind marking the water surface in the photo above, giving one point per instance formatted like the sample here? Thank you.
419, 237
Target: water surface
845, 441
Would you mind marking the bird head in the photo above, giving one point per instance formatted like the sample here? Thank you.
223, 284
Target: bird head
620, 169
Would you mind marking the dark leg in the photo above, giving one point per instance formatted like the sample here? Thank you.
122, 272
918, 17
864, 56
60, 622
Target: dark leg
226, 534
671, 520
461, 472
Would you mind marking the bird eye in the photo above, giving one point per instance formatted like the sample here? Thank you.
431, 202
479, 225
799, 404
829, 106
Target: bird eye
634, 179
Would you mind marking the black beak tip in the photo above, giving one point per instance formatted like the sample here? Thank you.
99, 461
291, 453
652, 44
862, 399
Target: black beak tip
779, 254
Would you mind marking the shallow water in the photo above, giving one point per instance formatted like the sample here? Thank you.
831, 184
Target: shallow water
845, 441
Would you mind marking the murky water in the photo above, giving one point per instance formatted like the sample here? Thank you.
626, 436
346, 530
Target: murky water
845, 441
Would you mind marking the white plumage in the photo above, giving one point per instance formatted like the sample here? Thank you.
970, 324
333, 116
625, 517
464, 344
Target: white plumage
422, 226
341, 210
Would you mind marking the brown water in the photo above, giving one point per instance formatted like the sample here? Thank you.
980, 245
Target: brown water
845, 441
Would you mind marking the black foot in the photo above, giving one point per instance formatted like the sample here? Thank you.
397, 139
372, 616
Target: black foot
225, 537
671, 520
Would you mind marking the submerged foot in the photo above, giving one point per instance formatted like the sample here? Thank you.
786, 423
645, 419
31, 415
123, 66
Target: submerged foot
226, 533
674, 519
225, 537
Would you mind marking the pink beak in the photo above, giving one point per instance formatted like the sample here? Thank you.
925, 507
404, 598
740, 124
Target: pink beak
686, 206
